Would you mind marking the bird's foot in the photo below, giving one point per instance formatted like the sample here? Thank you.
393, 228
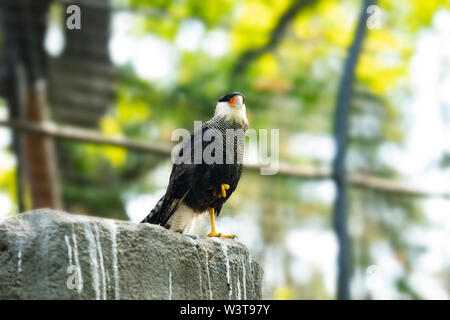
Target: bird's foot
213, 232
219, 235
224, 187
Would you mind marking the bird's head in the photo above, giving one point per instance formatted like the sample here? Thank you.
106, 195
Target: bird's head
232, 107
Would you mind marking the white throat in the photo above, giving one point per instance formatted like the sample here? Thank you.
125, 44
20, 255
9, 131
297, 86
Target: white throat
238, 115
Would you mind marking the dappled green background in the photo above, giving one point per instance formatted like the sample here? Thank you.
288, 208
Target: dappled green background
175, 58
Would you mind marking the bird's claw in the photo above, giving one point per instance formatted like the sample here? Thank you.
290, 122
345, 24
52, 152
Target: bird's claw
219, 235
224, 187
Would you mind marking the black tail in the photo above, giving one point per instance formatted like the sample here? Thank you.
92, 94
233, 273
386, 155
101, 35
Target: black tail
164, 209
155, 215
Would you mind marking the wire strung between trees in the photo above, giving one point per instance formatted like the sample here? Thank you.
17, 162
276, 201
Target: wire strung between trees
364, 181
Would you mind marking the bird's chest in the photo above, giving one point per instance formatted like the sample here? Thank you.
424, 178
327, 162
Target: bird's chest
225, 144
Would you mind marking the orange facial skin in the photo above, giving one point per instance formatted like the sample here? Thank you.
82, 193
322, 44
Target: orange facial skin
236, 102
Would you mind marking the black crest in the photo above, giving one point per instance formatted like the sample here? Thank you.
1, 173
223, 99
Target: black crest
228, 96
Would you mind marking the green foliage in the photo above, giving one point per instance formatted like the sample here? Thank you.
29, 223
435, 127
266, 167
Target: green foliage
293, 87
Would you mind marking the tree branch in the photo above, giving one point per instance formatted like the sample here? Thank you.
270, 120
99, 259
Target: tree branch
275, 36
365, 181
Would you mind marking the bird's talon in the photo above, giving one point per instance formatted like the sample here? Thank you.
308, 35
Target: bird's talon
213, 232
224, 187
219, 235
231, 236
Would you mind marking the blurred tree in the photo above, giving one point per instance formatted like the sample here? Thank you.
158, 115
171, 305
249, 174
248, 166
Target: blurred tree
341, 116
288, 58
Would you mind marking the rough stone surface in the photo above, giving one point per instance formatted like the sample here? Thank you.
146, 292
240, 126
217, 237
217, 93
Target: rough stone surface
44, 254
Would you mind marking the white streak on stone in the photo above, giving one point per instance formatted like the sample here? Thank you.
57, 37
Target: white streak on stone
244, 278
199, 265
19, 260
207, 271
200, 277
227, 263
69, 249
108, 279
170, 285
100, 256
115, 264
77, 261
251, 273
238, 289
92, 250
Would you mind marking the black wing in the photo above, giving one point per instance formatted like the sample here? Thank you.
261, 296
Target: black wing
179, 182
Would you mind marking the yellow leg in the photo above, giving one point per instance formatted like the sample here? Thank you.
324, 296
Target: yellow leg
224, 188
213, 232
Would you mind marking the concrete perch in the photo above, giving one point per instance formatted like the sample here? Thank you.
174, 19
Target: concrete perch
48, 254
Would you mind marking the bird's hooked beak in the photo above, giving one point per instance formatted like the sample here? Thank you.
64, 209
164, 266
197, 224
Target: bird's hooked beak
236, 102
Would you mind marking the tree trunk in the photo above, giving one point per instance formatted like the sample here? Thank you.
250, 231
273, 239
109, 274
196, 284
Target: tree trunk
339, 170
25, 25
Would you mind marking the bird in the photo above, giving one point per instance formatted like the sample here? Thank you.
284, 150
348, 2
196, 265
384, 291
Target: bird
197, 188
